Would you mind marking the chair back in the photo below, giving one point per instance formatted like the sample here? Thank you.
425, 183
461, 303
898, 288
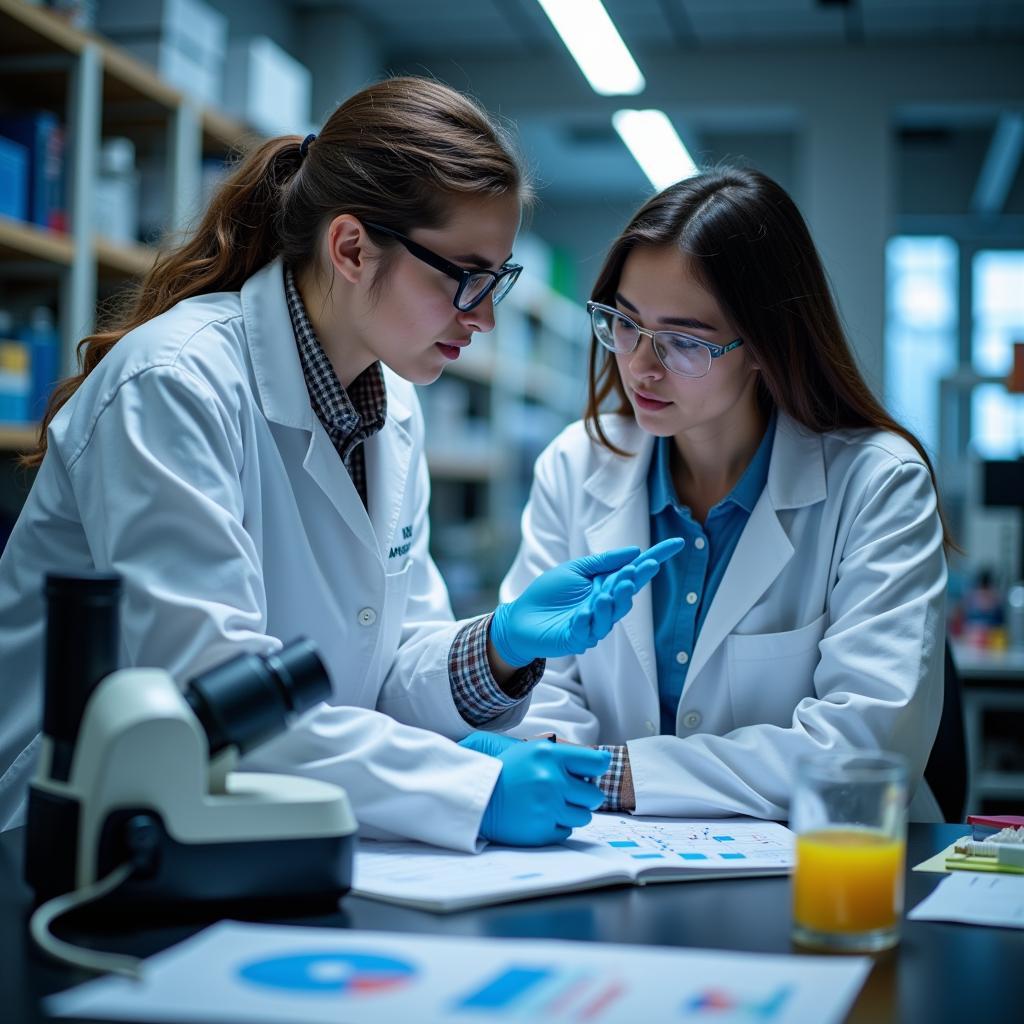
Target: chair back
946, 771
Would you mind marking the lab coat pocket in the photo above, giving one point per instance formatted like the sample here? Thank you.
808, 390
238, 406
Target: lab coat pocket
770, 673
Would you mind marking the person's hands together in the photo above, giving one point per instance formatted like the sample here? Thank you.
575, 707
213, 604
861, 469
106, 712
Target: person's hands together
544, 791
573, 606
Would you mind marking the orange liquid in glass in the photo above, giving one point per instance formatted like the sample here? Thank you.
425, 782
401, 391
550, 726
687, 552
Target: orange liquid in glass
848, 880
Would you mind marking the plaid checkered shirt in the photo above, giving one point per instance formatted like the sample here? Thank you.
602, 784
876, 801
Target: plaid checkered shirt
350, 416
611, 782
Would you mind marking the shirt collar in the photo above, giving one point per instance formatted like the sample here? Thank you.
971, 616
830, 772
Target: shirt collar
355, 413
661, 487
745, 492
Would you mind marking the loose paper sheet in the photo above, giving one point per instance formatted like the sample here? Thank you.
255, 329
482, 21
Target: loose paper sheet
266, 974
971, 897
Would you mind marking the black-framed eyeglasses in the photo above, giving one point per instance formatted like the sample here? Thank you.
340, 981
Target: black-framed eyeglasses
681, 354
474, 285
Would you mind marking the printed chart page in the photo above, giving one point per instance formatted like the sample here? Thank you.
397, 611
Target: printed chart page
264, 974
670, 847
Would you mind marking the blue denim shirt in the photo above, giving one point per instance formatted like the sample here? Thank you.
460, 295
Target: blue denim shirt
684, 588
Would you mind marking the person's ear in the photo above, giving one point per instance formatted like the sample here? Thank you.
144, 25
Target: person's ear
348, 246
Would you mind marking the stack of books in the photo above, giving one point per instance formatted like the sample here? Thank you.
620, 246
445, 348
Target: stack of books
996, 843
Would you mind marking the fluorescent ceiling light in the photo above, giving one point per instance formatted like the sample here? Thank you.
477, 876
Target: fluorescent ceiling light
595, 45
655, 146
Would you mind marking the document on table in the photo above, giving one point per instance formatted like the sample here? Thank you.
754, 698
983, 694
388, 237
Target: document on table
975, 898
265, 974
612, 849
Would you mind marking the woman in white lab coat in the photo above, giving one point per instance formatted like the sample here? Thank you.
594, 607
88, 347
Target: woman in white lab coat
805, 612
245, 447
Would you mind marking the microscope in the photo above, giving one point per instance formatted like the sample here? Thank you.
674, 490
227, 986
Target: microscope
136, 770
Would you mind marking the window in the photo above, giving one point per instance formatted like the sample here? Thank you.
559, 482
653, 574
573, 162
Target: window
921, 329
998, 321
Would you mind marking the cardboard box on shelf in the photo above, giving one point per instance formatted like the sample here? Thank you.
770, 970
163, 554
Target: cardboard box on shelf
267, 88
189, 25
200, 80
185, 40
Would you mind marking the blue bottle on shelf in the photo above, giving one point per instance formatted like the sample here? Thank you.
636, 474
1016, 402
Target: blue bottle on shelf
40, 335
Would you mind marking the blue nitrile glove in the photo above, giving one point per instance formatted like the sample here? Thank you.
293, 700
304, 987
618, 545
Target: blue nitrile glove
491, 743
543, 792
570, 608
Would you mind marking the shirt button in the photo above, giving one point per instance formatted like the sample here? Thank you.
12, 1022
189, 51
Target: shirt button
692, 719
367, 617
691, 598
649, 726
682, 657
699, 543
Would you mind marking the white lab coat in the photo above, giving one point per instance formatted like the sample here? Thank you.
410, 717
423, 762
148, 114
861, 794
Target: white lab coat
825, 633
191, 462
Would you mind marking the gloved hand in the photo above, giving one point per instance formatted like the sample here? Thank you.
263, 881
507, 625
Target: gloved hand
491, 743
543, 793
570, 608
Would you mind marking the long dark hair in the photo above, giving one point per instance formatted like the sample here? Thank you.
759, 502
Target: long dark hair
397, 153
748, 245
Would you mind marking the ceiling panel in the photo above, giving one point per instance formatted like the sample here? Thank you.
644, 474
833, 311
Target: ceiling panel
520, 26
768, 21
937, 19
579, 159
444, 26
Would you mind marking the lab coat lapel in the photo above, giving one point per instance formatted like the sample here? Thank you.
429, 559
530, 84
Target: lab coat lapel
796, 477
284, 398
621, 484
324, 465
388, 457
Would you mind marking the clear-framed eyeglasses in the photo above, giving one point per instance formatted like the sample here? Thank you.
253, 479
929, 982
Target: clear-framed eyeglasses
474, 285
681, 354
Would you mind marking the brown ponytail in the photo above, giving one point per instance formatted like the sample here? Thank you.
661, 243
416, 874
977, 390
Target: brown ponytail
397, 153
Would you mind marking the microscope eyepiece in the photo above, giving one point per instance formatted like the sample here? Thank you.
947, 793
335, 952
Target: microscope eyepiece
83, 639
246, 700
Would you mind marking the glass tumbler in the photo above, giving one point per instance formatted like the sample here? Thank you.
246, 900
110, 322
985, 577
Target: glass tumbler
849, 815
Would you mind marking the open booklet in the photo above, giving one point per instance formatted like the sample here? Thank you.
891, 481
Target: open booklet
611, 850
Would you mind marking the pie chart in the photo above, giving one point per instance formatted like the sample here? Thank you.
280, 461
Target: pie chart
329, 972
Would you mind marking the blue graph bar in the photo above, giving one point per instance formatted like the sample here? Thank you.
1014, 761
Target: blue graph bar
622, 842
506, 988
693, 856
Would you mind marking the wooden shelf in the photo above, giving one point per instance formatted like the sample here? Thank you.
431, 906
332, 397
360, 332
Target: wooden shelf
474, 367
130, 86
990, 666
470, 465
21, 241
27, 31
17, 438
223, 133
119, 259
127, 79
1006, 784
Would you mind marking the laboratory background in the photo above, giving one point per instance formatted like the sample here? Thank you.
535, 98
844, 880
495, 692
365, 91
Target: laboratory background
897, 125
